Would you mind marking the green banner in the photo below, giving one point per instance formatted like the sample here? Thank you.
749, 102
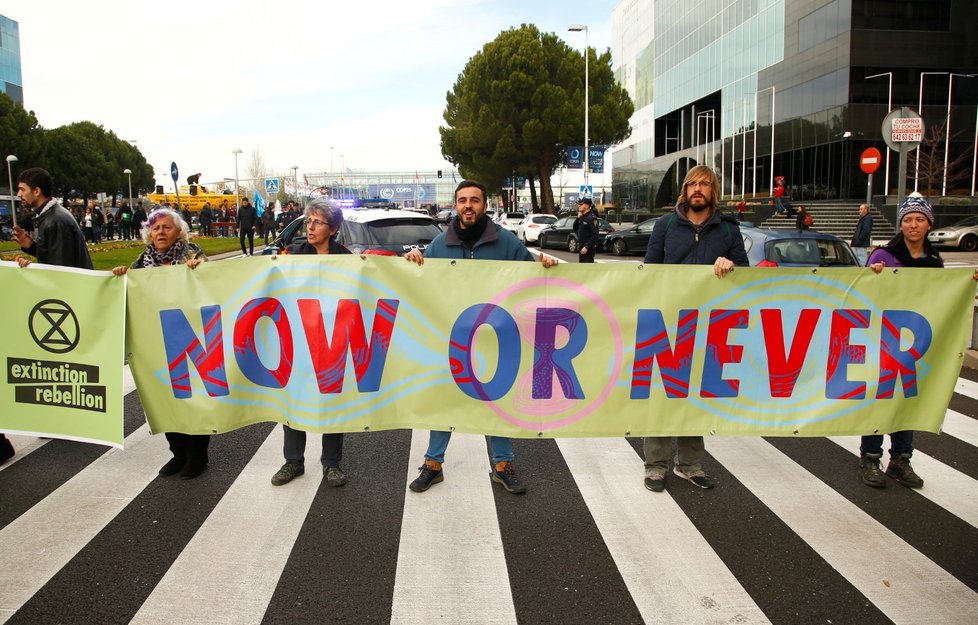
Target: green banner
62, 353
344, 344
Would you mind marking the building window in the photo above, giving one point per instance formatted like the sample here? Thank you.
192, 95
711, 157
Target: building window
901, 14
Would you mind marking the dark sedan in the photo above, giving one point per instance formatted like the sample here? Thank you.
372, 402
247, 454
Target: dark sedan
631, 240
562, 235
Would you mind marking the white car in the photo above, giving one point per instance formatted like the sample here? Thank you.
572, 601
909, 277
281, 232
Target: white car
528, 230
509, 220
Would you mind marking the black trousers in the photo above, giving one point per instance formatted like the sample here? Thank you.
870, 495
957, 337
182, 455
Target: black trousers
295, 447
250, 233
189, 446
586, 258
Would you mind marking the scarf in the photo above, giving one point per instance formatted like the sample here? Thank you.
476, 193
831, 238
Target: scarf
898, 247
154, 258
469, 236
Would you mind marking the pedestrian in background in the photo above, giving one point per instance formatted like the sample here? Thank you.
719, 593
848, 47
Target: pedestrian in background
587, 230
862, 239
471, 235
268, 221
804, 219
57, 238
695, 233
246, 226
167, 238
323, 221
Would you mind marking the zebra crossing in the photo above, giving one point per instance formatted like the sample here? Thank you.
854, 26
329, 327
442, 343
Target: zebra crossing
790, 535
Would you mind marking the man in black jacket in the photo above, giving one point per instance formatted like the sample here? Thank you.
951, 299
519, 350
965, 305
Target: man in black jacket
587, 230
57, 240
694, 234
246, 226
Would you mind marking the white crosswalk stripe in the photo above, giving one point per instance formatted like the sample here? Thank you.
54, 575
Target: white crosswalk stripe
454, 558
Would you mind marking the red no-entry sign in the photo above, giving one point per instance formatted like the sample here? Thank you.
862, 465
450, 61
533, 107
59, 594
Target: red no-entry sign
869, 160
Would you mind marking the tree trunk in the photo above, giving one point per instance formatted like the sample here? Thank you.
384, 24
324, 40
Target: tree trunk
534, 202
546, 190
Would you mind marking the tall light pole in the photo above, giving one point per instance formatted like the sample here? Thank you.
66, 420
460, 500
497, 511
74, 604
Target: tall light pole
889, 108
128, 172
295, 177
13, 194
947, 127
237, 199
974, 159
576, 28
920, 111
331, 160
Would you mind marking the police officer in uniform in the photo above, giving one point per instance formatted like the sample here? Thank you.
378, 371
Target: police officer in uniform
587, 230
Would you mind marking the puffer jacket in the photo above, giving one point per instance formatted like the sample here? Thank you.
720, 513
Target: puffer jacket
677, 241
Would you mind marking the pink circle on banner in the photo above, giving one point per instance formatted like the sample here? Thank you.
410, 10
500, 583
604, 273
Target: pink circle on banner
619, 357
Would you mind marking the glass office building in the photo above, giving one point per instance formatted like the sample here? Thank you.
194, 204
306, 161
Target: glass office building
711, 78
10, 78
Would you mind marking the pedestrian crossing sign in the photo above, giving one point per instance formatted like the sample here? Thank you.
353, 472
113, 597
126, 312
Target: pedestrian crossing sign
271, 185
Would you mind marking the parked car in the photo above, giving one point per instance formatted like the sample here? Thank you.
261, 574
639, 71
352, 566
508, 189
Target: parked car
631, 240
369, 231
529, 229
445, 216
562, 234
963, 235
795, 248
510, 221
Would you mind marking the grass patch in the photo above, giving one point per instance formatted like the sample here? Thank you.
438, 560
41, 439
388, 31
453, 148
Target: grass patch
115, 253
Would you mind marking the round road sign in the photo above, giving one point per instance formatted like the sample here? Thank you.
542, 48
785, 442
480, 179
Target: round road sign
869, 160
895, 143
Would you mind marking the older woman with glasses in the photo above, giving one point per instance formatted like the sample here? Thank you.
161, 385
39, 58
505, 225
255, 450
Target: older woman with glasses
166, 235
323, 221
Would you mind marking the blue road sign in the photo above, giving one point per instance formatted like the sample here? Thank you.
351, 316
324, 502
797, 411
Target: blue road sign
586, 190
271, 185
173, 171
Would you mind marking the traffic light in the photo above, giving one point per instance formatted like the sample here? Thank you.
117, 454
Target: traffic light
439, 173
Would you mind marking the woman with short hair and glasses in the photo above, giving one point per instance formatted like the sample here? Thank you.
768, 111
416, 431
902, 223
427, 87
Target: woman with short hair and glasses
323, 221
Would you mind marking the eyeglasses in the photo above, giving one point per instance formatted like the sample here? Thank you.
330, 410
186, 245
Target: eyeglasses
315, 223
699, 183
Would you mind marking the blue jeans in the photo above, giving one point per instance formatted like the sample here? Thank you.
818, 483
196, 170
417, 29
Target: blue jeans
779, 206
862, 255
502, 448
900, 443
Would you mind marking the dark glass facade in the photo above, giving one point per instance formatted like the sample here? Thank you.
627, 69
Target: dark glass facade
725, 70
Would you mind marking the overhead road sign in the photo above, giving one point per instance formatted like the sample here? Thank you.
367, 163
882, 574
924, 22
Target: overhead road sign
271, 185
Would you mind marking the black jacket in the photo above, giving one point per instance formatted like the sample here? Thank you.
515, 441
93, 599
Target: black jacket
587, 231
247, 217
58, 239
676, 240
863, 236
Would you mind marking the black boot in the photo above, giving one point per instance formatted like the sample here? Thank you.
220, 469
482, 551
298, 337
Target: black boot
196, 456
6, 449
174, 466
900, 470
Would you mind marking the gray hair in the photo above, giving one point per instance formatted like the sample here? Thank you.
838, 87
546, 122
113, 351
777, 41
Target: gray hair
159, 214
332, 214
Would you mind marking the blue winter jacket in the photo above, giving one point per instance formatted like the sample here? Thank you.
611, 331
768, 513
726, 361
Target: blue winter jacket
496, 243
676, 241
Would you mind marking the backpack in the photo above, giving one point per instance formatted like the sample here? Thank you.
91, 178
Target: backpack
809, 220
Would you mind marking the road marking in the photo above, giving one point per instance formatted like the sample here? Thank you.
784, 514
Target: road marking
649, 535
450, 566
51, 533
897, 578
254, 528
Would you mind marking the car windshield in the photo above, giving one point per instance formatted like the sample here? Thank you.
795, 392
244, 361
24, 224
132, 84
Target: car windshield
514, 216
544, 219
967, 222
402, 231
809, 252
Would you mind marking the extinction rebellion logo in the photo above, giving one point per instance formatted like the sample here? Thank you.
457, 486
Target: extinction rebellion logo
54, 327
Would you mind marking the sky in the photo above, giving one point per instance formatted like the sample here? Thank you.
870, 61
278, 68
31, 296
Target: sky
323, 86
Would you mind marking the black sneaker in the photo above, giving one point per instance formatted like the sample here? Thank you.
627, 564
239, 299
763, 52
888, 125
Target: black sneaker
655, 480
428, 477
334, 476
288, 472
869, 471
6, 449
508, 478
697, 478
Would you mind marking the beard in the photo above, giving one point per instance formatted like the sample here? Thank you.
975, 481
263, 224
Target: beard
698, 204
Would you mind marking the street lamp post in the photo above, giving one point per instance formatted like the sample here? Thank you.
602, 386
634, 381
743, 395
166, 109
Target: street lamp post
13, 194
889, 108
947, 127
295, 177
237, 200
920, 111
128, 172
576, 28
